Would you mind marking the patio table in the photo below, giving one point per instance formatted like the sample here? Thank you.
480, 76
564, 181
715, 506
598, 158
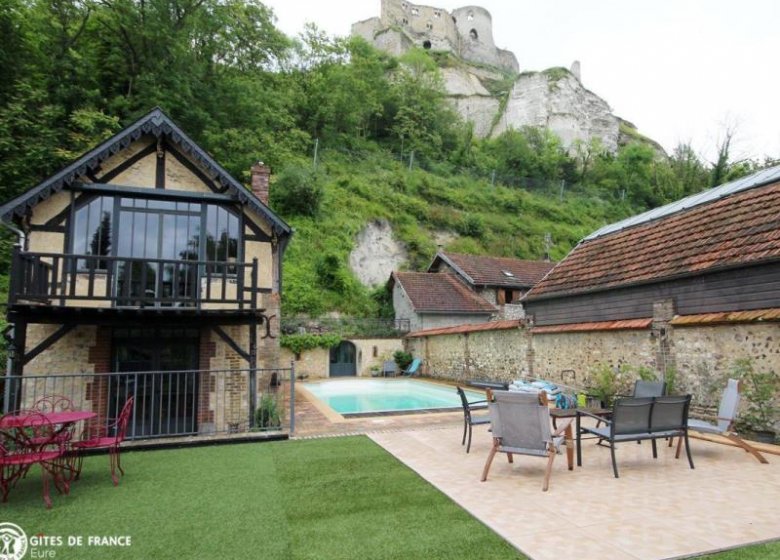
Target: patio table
556, 413
62, 418
35, 448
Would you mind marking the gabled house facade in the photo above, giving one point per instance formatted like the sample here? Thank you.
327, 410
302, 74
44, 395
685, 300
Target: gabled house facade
145, 255
436, 300
500, 281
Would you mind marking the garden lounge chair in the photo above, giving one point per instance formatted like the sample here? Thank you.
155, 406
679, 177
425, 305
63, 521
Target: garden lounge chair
102, 437
468, 419
727, 414
521, 424
413, 367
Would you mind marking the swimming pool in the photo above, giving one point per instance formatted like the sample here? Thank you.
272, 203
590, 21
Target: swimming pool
361, 396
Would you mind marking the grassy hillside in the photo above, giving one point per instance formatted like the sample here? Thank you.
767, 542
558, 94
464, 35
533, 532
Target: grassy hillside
485, 219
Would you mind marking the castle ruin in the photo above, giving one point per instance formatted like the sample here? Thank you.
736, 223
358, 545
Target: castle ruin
466, 32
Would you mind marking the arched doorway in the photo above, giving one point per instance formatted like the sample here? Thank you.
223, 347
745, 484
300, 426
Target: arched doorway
343, 359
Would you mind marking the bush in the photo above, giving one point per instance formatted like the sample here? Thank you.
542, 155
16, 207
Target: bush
267, 414
761, 389
402, 359
298, 191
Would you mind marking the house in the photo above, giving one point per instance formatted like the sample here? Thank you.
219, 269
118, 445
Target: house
436, 300
688, 287
145, 255
500, 281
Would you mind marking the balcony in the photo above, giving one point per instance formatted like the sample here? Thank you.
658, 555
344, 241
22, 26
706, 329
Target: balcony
97, 281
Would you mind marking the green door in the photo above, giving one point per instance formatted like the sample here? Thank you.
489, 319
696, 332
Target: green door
343, 361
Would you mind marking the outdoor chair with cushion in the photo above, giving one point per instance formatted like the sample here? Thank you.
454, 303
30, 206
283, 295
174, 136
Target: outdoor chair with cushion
468, 419
413, 367
520, 423
727, 414
100, 436
636, 419
388, 368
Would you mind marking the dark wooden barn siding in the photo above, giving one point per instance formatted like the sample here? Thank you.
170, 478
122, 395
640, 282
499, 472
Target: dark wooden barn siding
741, 289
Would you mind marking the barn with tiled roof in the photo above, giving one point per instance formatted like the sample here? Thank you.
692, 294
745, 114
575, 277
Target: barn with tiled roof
714, 252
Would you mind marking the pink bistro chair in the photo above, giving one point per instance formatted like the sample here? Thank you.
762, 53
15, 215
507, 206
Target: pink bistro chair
32, 441
53, 403
105, 437
56, 403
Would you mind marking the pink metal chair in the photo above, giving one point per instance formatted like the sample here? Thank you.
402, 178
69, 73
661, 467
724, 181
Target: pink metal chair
105, 437
56, 403
31, 440
53, 403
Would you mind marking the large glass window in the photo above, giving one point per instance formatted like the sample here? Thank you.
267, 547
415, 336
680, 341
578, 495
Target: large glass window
92, 231
155, 229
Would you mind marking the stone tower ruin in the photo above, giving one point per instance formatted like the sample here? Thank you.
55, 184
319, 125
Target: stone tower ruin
466, 32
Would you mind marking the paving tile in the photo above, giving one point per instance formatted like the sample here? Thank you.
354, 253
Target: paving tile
657, 509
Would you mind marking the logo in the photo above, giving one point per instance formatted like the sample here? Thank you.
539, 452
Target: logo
13, 542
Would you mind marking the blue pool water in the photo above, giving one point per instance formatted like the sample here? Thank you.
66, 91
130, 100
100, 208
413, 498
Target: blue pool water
355, 396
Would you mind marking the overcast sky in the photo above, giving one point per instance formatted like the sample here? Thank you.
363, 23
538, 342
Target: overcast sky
678, 69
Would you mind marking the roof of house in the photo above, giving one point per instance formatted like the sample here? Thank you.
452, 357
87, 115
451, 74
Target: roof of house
158, 124
481, 270
723, 317
626, 324
738, 229
464, 329
440, 293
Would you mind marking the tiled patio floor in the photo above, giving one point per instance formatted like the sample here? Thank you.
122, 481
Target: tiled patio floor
656, 509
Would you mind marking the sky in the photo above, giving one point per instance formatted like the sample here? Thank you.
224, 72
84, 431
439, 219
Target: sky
680, 70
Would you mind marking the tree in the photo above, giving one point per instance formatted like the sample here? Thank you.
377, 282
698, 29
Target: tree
689, 169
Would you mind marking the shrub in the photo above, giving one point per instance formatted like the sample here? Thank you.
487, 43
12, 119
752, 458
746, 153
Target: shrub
761, 389
331, 274
267, 414
298, 191
402, 359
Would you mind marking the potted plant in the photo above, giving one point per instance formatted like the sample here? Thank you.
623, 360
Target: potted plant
604, 384
761, 390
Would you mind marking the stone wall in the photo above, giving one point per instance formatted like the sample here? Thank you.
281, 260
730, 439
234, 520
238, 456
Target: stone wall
703, 356
500, 354
568, 358
369, 353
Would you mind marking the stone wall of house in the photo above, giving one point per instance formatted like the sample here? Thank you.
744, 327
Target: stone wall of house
369, 353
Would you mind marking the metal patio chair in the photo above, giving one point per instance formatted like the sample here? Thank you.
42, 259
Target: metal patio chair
30, 439
100, 436
521, 424
468, 419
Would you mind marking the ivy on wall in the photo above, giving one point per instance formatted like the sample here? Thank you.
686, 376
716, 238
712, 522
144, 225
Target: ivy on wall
297, 343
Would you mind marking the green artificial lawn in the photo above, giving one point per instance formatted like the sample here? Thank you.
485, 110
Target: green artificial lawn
766, 551
326, 498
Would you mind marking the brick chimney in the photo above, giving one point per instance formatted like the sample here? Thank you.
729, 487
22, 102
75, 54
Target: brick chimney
260, 175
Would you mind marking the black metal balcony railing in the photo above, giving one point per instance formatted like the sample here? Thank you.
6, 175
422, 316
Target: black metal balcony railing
60, 279
169, 403
347, 326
